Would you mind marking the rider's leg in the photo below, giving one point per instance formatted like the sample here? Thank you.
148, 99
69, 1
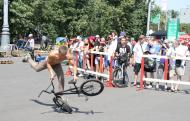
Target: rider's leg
60, 75
37, 66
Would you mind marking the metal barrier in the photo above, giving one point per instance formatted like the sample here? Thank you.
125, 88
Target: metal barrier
91, 71
165, 71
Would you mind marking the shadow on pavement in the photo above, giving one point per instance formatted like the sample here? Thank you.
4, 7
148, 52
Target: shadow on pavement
56, 109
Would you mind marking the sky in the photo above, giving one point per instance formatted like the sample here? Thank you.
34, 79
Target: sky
176, 4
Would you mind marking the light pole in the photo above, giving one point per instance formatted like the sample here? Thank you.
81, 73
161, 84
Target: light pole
148, 19
5, 35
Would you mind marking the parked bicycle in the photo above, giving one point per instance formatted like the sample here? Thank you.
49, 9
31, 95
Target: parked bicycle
120, 76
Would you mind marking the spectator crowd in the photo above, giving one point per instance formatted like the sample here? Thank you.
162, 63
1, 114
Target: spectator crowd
129, 51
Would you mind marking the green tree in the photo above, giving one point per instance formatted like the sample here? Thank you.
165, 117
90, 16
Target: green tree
20, 17
135, 17
185, 28
173, 14
69, 17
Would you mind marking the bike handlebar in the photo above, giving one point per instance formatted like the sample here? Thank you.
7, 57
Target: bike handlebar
49, 92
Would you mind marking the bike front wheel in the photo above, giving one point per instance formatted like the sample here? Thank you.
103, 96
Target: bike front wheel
120, 79
92, 87
62, 104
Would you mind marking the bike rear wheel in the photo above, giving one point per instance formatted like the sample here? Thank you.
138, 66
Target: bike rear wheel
92, 87
62, 104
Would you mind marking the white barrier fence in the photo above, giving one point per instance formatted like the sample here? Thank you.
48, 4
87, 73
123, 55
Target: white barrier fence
91, 71
165, 71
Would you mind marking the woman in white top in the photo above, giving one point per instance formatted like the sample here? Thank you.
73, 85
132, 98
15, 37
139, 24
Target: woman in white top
30, 43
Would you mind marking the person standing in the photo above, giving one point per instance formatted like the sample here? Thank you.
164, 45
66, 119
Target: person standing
154, 49
122, 54
44, 42
138, 53
181, 51
30, 45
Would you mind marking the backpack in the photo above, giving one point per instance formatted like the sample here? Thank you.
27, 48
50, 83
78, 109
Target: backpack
149, 65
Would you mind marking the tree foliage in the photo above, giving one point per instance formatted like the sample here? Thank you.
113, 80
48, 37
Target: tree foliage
185, 28
1, 11
68, 17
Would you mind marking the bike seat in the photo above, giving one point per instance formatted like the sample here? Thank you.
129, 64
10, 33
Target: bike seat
72, 81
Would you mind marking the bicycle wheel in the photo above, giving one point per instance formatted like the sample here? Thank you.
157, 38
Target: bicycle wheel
118, 79
62, 104
92, 87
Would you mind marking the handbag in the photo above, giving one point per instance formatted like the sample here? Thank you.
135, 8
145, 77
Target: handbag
178, 63
149, 64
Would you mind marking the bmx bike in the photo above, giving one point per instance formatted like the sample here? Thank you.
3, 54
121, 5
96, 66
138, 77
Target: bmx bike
91, 87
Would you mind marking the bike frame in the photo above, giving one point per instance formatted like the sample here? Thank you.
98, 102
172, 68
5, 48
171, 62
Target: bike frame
65, 92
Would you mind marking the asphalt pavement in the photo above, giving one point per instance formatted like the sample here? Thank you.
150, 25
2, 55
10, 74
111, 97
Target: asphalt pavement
20, 86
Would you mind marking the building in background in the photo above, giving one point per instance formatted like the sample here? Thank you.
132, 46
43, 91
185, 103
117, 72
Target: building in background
184, 15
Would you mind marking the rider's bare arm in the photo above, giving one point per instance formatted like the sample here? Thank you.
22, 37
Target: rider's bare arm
49, 67
72, 63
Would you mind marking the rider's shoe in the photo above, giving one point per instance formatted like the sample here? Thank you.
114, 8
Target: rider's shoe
72, 81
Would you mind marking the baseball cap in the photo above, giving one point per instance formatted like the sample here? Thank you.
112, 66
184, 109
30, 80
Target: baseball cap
122, 34
97, 36
30, 35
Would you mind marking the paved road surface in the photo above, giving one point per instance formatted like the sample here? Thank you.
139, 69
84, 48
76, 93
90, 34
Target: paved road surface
20, 85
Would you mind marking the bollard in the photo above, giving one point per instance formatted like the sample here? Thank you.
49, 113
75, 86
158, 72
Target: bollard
92, 61
142, 73
84, 62
109, 83
101, 64
166, 69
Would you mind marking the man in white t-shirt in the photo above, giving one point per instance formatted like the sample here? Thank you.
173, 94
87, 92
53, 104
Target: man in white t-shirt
138, 53
181, 51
